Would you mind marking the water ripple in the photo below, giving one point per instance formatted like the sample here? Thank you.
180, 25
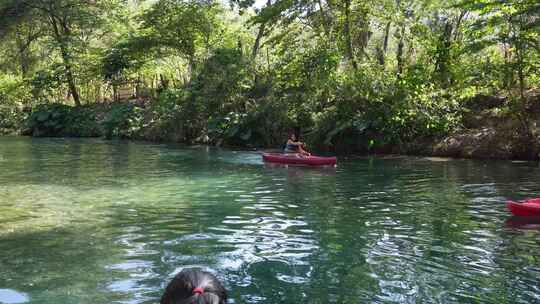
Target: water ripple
112, 222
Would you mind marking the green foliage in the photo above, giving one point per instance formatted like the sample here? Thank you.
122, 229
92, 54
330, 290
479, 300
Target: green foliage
11, 119
427, 111
13, 91
14, 95
128, 54
221, 83
231, 127
511, 25
53, 120
349, 74
47, 82
262, 125
49, 119
123, 121
82, 122
185, 26
68, 28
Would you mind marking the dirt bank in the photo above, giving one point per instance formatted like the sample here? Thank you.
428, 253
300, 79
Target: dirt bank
492, 130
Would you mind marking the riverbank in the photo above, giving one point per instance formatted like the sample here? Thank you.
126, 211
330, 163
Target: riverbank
488, 129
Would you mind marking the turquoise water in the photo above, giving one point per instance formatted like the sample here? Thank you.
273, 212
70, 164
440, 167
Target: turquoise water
91, 221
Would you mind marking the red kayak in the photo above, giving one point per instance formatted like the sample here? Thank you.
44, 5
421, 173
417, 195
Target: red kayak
296, 159
529, 207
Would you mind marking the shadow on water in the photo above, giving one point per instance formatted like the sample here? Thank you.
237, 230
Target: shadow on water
38, 264
520, 222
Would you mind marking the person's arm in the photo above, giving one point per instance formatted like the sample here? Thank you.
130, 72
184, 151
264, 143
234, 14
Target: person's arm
294, 143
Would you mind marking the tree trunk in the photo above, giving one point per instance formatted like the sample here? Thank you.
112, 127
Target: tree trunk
520, 64
71, 81
458, 24
257, 43
386, 35
191, 68
23, 54
399, 54
443, 55
384, 48
164, 82
67, 61
509, 73
326, 20
115, 91
260, 34
348, 40
23, 61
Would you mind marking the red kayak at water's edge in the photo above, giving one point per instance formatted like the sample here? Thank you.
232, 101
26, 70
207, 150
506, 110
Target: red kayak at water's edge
529, 207
295, 159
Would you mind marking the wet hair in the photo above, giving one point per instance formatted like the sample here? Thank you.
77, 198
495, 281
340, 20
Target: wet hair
194, 286
291, 134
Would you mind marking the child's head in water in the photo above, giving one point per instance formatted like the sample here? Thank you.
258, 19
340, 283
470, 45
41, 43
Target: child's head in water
194, 286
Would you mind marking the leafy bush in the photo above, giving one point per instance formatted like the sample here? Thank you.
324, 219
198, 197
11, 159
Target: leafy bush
49, 119
424, 112
124, 120
263, 124
14, 94
11, 119
13, 91
47, 83
222, 82
56, 119
82, 122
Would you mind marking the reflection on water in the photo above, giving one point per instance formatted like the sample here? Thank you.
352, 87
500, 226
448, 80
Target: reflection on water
9, 296
517, 222
88, 221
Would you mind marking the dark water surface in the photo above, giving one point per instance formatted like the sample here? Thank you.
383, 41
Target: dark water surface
90, 221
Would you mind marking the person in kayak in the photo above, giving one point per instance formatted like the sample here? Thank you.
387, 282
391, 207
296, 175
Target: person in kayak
295, 146
194, 286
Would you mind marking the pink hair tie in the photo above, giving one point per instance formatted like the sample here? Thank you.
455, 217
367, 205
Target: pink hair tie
198, 290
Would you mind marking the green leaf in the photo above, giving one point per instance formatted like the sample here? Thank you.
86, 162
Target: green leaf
246, 135
42, 116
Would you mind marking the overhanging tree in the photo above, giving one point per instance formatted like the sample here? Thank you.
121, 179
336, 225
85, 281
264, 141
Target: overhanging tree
68, 23
513, 25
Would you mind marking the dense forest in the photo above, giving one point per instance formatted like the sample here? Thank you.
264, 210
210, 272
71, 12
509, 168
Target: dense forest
456, 77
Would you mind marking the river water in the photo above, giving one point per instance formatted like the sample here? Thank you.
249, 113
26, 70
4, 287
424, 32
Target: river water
91, 221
